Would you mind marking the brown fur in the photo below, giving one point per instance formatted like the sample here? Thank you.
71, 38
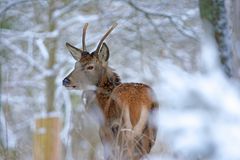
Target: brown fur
113, 97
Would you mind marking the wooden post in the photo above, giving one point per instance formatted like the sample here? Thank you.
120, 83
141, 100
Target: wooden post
47, 144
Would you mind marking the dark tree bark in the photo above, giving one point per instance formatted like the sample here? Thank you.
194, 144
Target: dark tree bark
214, 12
235, 23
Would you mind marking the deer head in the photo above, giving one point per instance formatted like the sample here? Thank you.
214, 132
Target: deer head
89, 66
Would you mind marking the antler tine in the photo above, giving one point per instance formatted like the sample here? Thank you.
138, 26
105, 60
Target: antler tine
83, 36
105, 36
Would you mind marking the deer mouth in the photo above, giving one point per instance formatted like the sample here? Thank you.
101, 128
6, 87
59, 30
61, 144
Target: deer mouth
73, 87
70, 86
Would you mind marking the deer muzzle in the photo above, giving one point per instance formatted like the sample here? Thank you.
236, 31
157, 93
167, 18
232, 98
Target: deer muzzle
66, 82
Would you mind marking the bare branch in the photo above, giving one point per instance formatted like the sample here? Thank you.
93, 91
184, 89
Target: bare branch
11, 5
17, 34
65, 9
17, 51
171, 18
155, 28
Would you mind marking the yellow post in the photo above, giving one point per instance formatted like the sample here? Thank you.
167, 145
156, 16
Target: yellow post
47, 144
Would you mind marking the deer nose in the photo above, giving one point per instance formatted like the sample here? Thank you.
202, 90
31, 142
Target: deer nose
66, 81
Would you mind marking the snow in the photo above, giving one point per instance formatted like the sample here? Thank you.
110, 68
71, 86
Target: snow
199, 116
200, 113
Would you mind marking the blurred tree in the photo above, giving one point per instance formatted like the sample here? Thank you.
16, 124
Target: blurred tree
51, 44
214, 12
7, 149
235, 22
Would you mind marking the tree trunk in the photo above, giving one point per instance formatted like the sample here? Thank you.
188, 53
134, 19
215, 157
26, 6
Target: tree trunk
235, 23
52, 46
47, 144
214, 12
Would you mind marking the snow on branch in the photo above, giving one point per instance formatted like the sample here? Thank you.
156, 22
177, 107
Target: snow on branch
13, 34
178, 23
67, 8
18, 52
7, 138
43, 49
10, 5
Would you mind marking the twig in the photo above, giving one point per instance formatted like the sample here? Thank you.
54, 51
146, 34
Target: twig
155, 27
12, 5
169, 17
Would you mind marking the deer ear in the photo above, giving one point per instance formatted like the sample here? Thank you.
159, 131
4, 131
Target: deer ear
104, 53
75, 52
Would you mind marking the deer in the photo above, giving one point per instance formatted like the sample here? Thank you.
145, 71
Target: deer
128, 130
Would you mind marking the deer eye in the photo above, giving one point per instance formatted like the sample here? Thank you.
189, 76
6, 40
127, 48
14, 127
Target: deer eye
89, 67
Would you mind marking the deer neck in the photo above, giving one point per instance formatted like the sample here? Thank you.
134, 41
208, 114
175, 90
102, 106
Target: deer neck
107, 82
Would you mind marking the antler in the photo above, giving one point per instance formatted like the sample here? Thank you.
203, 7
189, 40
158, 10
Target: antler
83, 36
104, 37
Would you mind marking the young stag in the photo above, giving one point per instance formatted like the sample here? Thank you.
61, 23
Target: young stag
127, 131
